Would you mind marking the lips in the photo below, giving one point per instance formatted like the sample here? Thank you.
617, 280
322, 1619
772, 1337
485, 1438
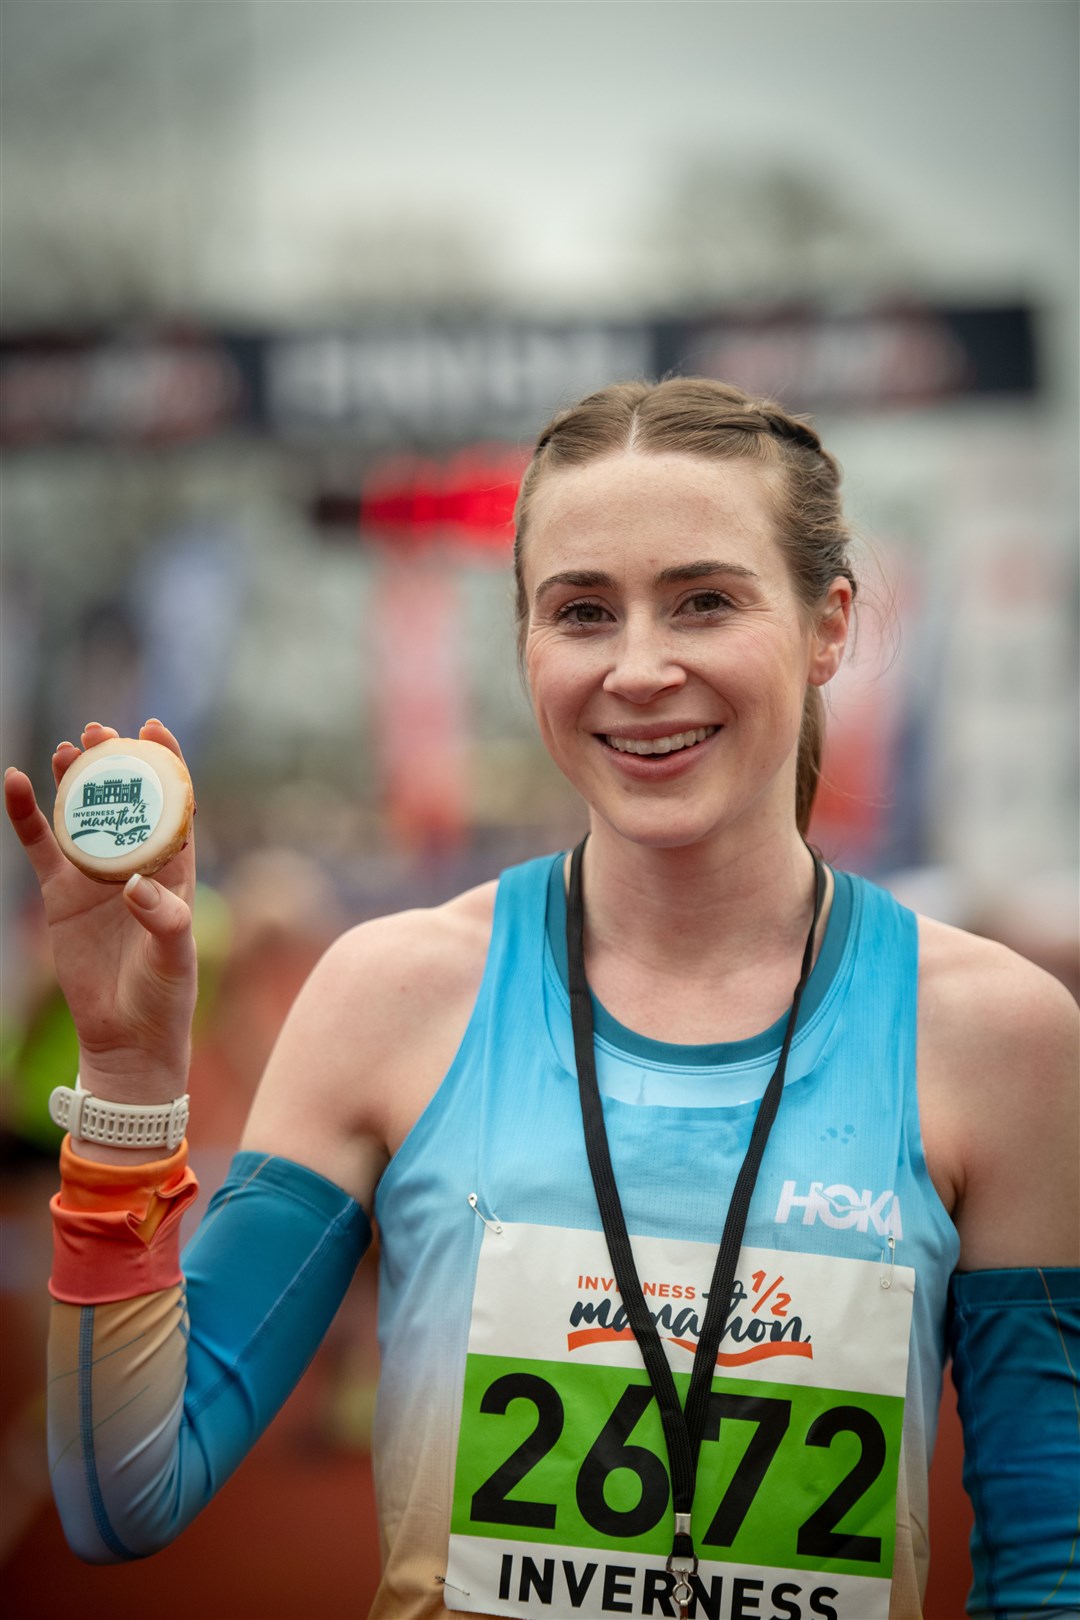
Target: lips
672, 743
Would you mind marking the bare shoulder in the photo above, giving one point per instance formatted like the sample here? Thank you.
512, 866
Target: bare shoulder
999, 1046
424, 955
980, 1004
370, 1037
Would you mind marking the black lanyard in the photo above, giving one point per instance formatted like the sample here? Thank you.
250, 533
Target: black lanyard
682, 1428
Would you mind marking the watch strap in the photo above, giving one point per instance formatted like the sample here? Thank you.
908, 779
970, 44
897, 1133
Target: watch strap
118, 1124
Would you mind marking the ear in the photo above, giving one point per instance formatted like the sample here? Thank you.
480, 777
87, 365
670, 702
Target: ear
832, 621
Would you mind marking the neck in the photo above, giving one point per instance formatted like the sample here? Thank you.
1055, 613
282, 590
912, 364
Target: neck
661, 906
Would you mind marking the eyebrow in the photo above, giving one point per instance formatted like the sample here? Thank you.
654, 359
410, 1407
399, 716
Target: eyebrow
681, 574
702, 570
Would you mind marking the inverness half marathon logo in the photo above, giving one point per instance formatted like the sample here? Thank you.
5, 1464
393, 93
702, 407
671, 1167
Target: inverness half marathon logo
113, 810
760, 1323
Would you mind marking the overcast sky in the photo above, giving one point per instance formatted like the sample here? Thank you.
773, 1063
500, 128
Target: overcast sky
246, 141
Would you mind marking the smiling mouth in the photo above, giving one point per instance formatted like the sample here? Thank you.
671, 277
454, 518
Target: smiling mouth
661, 745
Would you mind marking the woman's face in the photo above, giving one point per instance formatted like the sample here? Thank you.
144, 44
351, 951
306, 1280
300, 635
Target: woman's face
667, 653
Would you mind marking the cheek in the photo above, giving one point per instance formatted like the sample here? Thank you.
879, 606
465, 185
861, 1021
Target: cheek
560, 685
768, 675
546, 682
532, 662
554, 671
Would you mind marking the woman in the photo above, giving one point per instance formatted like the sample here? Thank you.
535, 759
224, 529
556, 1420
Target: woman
823, 1167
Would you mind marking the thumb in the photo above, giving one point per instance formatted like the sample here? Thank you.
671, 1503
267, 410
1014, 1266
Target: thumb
164, 916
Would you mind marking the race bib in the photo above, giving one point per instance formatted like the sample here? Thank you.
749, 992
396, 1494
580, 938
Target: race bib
562, 1500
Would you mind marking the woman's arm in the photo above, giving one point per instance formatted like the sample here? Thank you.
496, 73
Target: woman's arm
999, 1094
162, 1376
157, 1393
164, 1371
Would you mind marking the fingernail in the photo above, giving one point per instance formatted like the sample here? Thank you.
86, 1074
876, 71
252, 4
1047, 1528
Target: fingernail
142, 891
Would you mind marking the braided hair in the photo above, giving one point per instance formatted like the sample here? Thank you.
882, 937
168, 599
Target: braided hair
699, 417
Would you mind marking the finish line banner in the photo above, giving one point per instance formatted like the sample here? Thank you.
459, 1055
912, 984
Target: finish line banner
444, 381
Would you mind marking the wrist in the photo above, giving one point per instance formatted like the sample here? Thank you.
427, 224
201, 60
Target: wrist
133, 1077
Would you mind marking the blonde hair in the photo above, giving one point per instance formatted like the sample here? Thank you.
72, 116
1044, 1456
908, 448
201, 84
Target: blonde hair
696, 416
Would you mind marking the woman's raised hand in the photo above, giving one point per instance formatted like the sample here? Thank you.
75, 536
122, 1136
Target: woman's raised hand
124, 954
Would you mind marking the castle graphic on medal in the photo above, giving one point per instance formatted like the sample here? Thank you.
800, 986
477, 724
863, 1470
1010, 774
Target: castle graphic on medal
113, 791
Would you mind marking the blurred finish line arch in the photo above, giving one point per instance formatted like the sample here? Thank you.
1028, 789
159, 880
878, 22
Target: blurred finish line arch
445, 381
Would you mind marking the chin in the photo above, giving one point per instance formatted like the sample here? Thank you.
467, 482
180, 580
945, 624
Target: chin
692, 825
657, 830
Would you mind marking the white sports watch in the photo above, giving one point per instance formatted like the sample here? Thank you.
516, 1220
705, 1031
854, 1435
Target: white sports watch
118, 1124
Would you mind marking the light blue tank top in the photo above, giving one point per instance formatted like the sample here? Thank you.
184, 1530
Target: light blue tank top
501, 1142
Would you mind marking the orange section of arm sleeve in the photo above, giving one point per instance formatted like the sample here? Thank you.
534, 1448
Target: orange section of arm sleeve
116, 1228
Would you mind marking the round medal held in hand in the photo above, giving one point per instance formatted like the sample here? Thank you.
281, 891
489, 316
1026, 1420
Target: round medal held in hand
123, 807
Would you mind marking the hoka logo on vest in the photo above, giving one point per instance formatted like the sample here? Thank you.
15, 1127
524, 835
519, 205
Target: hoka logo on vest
841, 1206
747, 1335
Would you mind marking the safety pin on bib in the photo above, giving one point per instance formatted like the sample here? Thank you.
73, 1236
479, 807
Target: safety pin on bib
494, 1224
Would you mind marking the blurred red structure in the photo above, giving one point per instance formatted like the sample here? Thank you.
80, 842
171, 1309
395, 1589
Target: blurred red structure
468, 497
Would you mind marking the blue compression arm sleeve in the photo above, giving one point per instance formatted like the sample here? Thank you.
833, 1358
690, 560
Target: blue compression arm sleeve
1015, 1342
154, 1400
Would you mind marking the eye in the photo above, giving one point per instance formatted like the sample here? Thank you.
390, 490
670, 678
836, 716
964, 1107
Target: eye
708, 603
582, 613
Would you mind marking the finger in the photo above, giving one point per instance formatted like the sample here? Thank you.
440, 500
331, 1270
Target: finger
64, 756
166, 918
180, 870
157, 731
94, 733
31, 827
178, 874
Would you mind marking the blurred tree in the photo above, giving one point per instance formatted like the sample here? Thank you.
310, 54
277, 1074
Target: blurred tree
405, 263
125, 158
134, 173
771, 233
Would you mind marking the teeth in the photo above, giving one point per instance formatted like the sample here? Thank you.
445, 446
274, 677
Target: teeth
662, 745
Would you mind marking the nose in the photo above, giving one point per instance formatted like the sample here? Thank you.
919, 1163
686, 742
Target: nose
643, 664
